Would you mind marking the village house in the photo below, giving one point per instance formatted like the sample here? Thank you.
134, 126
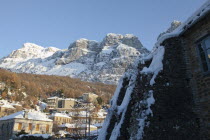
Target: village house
7, 108
66, 104
89, 97
52, 102
60, 104
60, 118
32, 122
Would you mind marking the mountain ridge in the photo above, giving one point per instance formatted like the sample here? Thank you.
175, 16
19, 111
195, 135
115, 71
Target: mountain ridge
89, 60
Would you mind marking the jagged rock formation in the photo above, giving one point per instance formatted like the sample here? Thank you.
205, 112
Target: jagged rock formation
88, 60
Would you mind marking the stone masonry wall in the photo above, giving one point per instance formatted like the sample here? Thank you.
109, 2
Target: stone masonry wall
199, 82
173, 117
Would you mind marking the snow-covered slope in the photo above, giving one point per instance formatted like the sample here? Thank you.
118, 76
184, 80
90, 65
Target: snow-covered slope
88, 60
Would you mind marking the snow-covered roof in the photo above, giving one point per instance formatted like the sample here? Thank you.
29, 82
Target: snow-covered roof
55, 97
4, 102
87, 126
68, 125
101, 114
36, 135
41, 106
16, 104
89, 93
63, 132
98, 124
60, 115
72, 99
8, 106
201, 12
82, 114
32, 115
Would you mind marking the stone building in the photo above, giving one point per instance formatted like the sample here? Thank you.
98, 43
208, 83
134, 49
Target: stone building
169, 100
32, 122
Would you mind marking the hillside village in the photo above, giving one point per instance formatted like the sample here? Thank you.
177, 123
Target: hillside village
59, 117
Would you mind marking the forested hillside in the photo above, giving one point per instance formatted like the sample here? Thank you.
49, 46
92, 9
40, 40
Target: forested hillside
29, 88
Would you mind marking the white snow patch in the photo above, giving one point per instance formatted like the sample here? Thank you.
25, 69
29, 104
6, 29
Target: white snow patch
100, 64
7, 106
63, 133
107, 50
60, 115
42, 105
156, 65
144, 115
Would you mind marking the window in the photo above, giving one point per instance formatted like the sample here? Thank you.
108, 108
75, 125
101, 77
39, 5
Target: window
19, 126
204, 53
2, 127
37, 127
47, 128
30, 126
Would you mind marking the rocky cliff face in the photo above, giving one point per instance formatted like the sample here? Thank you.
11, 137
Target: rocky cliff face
88, 60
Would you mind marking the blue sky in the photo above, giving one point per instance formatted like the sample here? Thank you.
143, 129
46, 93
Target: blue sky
59, 22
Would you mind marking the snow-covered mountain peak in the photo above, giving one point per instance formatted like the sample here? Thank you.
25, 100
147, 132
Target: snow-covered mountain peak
111, 39
52, 49
31, 50
30, 46
82, 39
129, 35
88, 60
83, 44
176, 23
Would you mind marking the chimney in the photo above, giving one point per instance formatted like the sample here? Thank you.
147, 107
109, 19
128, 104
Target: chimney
25, 114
